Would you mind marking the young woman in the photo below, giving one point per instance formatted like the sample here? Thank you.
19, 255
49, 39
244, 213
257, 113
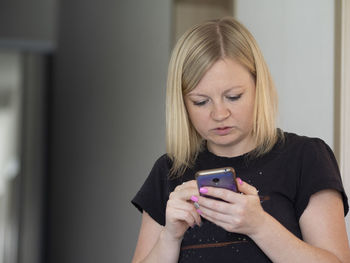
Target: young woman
221, 110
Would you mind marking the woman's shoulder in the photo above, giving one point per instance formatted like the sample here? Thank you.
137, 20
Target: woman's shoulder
290, 139
164, 159
163, 164
292, 144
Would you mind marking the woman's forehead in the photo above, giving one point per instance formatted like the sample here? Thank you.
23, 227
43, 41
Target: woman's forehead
225, 74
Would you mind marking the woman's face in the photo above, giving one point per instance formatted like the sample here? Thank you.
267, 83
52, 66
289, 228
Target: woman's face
221, 108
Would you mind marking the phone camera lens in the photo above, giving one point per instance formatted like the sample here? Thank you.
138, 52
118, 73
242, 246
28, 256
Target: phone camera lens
216, 180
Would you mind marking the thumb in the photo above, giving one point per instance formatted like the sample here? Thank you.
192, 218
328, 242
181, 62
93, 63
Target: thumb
246, 188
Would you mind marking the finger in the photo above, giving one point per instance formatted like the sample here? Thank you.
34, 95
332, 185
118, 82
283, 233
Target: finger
181, 215
215, 214
191, 183
186, 206
196, 214
246, 188
187, 184
185, 191
197, 210
221, 193
215, 205
222, 223
184, 195
225, 219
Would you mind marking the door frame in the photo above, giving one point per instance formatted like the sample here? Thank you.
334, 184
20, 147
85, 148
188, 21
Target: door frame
344, 146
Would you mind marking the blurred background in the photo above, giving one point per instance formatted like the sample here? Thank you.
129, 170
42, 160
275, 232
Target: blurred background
82, 90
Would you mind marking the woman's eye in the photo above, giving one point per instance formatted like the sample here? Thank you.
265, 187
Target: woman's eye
234, 98
200, 103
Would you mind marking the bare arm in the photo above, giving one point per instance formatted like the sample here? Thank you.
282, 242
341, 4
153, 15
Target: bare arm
162, 244
322, 225
152, 245
323, 229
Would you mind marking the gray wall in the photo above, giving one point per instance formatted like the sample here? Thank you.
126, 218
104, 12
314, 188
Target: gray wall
28, 20
107, 124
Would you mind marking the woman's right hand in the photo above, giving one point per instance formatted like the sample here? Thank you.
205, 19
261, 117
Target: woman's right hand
180, 211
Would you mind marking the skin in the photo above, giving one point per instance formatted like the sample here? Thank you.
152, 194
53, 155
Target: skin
221, 110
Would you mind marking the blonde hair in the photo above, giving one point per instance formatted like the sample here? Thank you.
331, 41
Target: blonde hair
195, 52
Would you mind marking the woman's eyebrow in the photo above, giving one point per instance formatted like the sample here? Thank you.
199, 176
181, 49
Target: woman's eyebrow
233, 88
224, 92
197, 94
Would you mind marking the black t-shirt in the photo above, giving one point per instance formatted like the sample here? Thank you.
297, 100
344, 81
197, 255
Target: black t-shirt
286, 177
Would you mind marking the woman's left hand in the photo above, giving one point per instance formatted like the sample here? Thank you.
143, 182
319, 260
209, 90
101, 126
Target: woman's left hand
241, 214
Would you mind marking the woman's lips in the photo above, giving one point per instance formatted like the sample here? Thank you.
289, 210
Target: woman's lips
222, 130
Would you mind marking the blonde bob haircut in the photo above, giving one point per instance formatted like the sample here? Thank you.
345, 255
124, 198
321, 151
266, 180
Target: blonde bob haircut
195, 52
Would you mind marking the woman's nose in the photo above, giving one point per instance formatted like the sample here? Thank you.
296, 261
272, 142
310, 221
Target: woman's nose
220, 112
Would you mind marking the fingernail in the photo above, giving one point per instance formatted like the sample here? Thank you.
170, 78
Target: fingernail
240, 181
203, 190
199, 211
194, 198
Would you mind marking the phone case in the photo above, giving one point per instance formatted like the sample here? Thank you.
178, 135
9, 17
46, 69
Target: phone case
221, 177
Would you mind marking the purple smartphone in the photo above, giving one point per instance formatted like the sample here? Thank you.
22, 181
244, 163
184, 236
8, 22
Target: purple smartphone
221, 177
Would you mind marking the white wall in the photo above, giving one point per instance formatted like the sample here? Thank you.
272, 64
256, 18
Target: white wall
297, 40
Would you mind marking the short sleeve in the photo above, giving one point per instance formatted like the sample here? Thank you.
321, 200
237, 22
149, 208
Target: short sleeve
319, 171
154, 194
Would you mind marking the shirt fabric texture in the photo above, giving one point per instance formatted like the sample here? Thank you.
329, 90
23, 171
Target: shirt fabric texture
286, 177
